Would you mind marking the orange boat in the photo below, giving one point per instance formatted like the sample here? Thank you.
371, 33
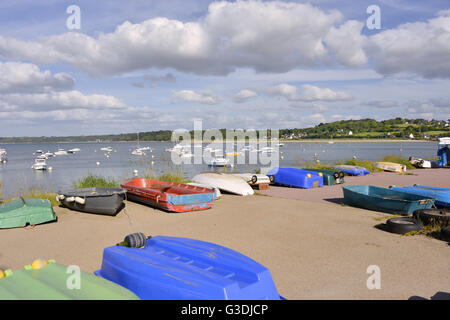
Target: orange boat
175, 197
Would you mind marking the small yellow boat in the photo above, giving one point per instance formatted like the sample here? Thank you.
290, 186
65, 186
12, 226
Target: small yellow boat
232, 154
391, 166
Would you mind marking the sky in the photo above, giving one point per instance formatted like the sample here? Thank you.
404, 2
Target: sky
150, 65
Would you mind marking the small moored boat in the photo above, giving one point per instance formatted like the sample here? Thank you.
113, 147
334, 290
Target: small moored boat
39, 163
175, 197
385, 200
171, 268
293, 177
106, 201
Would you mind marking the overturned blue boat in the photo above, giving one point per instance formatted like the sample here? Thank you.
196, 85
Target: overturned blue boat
171, 268
385, 200
441, 196
352, 170
293, 177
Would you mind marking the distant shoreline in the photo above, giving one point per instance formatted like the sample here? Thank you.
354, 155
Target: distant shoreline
331, 141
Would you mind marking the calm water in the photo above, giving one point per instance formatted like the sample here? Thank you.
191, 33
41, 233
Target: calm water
17, 174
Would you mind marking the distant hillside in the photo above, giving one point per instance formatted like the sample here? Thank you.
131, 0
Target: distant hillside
371, 129
355, 129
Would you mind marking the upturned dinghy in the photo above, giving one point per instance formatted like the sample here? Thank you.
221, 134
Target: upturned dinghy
293, 177
106, 201
171, 268
441, 196
47, 280
352, 170
23, 212
330, 177
225, 182
174, 197
390, 166
423, 163
385, 200
253, 178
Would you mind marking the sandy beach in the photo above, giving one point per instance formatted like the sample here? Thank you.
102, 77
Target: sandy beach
314, 247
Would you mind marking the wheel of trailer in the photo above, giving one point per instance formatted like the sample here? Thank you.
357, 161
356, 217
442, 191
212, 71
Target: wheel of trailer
254, 179
336, 175
136, 240
433, 216
272, 178
403, 225
341, 174
445, 234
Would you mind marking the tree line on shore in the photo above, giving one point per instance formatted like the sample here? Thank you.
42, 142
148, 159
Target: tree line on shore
397, 128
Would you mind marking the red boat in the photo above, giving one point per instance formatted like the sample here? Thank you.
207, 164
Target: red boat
175, 197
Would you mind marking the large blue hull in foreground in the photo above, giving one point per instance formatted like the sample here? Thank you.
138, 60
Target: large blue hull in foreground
170, 268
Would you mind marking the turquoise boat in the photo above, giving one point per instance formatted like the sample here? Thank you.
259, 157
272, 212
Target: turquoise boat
385, 200
23, 212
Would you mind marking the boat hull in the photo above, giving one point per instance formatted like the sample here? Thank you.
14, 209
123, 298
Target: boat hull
225, 182
293, 177
330, 177
172, 197
353, 170
170, 268
104, 201
441, 196
23, 212
391, 167
384, 200
50, 282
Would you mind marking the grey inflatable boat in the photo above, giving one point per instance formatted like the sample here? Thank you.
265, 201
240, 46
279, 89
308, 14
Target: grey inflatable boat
107, 201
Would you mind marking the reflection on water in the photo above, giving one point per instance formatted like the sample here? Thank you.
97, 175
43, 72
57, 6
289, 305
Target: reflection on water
120, 163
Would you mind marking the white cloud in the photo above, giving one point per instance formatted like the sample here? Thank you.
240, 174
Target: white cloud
313, 93
244, 95
58, 100
347, 43
26, 77
193, 96
266, 36
422, 48
310, 93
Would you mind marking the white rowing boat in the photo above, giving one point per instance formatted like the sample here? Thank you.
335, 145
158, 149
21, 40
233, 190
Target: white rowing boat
225, 182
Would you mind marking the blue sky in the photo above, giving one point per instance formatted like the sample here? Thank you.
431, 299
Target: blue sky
150, 65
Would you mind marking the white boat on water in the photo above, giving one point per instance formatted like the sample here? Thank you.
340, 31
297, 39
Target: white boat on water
74, 150
225, 182
49, 154
220, 162
109, 149
61, 152
3, 156
138, 152
39, 164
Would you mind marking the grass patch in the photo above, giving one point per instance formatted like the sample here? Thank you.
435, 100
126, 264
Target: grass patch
37, 193
91, 181
399, 160
174, 175
314, 165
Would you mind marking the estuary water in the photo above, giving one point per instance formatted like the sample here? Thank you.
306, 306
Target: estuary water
16, 175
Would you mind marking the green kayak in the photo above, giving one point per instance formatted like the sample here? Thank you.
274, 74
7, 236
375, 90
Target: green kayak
23, 212
46, 280
330, 177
